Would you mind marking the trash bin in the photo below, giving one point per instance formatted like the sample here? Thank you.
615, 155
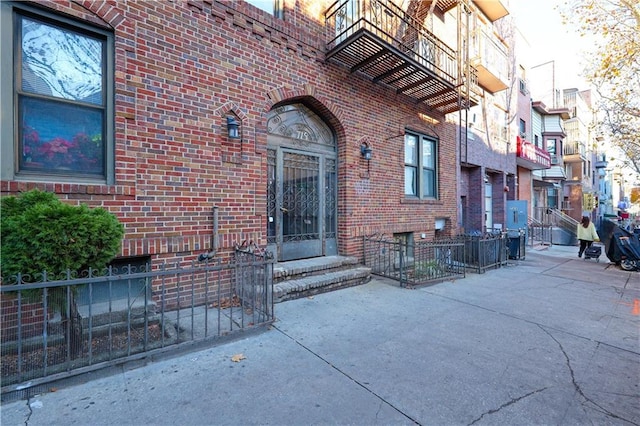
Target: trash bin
515, 244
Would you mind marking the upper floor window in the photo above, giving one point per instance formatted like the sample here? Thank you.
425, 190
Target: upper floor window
523, 87
551, 149
551, 146
522, 128
61, 110
274, 7
420, 166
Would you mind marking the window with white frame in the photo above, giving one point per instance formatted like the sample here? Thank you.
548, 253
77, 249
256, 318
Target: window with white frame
420, 166
274, 7
61, 109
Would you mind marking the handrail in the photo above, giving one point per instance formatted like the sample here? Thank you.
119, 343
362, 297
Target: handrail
563, 221
533, 221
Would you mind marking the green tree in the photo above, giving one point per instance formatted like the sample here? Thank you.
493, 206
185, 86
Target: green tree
614, 68
41, 233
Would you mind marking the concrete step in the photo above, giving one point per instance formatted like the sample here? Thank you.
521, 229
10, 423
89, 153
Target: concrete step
313, 266
306, 277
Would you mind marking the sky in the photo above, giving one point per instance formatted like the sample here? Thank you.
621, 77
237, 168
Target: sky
550, 40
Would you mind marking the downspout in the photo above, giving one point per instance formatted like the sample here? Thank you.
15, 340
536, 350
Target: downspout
214, 238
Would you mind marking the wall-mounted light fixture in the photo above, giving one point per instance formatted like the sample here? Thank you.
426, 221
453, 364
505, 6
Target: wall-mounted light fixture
366, 151
233, 128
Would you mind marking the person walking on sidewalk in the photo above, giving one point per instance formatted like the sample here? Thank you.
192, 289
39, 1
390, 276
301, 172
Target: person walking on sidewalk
586, 234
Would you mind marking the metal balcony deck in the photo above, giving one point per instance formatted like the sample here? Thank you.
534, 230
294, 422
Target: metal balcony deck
378, 40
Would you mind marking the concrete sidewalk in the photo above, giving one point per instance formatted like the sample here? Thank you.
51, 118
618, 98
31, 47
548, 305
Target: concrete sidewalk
551, 339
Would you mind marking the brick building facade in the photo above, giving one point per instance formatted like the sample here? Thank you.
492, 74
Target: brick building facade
173, 73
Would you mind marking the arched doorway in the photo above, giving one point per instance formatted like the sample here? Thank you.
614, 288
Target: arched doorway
301, 185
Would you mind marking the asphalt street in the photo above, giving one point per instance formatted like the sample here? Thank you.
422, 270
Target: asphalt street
548, 340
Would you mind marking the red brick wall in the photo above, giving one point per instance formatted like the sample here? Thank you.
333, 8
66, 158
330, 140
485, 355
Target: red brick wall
575, 198
525, 187
180, 67
30, 315
475, 200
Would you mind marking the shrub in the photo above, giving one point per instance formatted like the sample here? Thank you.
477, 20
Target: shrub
39, 232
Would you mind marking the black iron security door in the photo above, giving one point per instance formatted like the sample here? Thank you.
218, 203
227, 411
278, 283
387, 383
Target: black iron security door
302, 186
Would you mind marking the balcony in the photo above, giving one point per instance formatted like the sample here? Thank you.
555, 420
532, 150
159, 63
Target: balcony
381, 42
530, 156
601, 162
490, 59
492, 9
574, 152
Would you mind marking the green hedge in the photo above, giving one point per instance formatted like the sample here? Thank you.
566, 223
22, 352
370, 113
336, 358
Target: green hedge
41, 233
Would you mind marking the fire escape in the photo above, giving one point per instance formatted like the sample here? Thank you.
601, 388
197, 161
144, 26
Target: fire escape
392, 47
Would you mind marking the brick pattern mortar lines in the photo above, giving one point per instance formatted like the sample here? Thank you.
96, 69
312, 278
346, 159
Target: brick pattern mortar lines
178, 66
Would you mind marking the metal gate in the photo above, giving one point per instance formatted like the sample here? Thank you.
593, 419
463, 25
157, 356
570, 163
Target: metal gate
301, 185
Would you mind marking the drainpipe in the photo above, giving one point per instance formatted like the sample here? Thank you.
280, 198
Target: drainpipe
214, 238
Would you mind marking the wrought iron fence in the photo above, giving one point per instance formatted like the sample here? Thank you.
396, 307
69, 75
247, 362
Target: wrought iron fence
55, 327
485, 251
414, 263
541, 233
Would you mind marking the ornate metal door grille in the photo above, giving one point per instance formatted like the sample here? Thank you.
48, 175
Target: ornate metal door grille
300, 197
301, 184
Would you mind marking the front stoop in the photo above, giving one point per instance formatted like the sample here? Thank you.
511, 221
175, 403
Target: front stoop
306, 277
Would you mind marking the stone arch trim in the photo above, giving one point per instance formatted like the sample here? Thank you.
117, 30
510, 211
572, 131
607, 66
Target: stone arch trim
104, 10
330, 112
365, 140
231, 107
224, 109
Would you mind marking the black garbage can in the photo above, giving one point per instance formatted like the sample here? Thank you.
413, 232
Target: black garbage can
515, 244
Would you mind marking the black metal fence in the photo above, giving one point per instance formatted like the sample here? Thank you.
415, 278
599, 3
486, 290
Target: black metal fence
484, 251
57, 327
428, 262
414, 263
541, 233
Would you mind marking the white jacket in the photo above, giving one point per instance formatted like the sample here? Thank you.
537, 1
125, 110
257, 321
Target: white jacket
589, 233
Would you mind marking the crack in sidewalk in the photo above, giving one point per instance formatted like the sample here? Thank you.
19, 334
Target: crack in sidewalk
506, 404
577, 386
26, 421
362, 385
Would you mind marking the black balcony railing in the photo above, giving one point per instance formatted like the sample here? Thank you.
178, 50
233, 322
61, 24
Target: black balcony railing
379, 40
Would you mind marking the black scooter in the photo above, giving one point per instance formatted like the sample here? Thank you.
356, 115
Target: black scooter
622, 246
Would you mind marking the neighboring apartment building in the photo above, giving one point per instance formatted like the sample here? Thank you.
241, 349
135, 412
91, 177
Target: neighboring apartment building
579, 155
487, 162
548, 133
538, 140
605, 205
301, 130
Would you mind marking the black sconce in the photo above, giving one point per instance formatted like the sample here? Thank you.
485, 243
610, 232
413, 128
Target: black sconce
366, 151
233, 128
